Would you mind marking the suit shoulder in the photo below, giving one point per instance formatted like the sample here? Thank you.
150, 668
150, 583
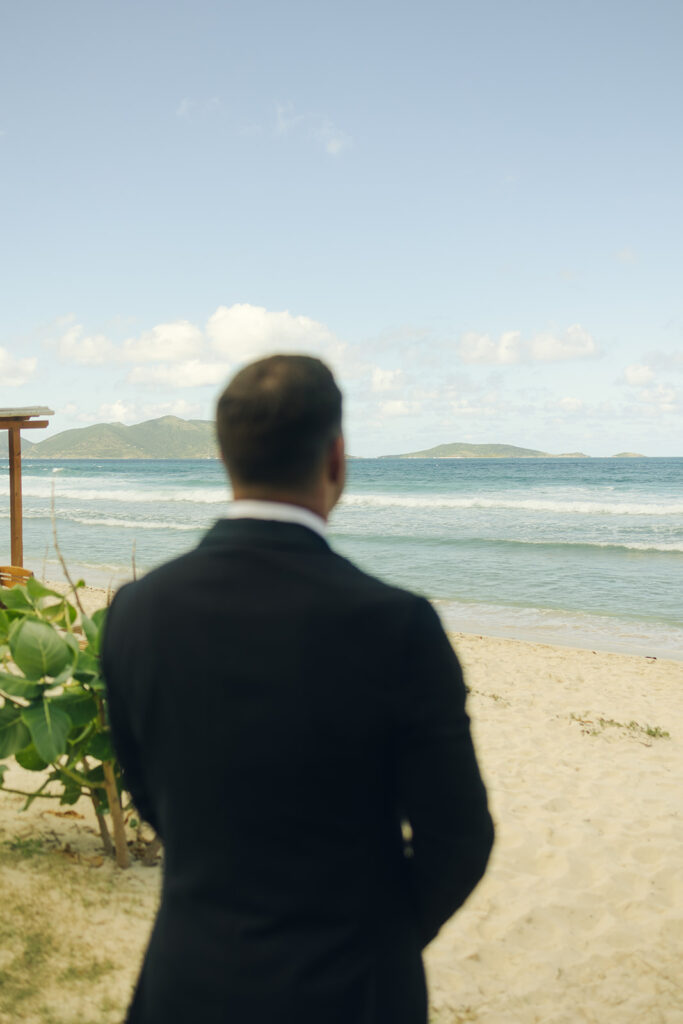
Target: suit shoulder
156, 583
350, 575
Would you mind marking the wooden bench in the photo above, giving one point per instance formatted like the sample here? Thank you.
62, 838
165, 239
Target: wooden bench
11, 575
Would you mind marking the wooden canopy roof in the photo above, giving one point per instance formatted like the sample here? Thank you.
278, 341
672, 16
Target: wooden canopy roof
14, 421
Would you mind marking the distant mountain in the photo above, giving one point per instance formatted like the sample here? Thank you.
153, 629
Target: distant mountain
26, 445
482, 451
166, 438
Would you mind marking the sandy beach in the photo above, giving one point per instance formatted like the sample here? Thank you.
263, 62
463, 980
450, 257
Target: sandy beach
580, 915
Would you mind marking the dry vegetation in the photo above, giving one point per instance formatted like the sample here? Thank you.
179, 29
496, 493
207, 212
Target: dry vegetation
73, 926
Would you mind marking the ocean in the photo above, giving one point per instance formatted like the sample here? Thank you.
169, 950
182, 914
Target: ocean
581, 552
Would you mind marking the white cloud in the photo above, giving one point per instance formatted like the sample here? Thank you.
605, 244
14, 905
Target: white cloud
91, 350
627, 255
574, 343
660, 398
243, 332
165, 343
132, 413
286, 120
187, 357
312, 126
189, 108
15, 372
334, 140
638, 374
117, 412
386, 380
569, 404
399, 407
182, 408
487, 406
194, 373
480, 348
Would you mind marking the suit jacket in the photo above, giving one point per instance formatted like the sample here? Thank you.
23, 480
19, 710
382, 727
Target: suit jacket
278, 713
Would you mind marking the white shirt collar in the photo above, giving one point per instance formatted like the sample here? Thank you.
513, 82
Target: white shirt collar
278, 511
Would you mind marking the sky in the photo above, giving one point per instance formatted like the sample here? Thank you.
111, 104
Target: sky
472, 211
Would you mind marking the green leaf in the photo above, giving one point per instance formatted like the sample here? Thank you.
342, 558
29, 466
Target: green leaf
73, 643
3, 769
90, 630
87, 663
79, 705
17, 686
36, 590
39, 650
99, 617
30, 759
4, 625
64, 676
15, 597
72, 790
49, 728
13, 733
100, 747
61, 613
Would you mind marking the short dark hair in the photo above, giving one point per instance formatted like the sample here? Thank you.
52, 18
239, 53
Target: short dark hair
276, 420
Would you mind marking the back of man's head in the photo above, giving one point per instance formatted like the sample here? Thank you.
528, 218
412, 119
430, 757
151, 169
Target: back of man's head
276, 420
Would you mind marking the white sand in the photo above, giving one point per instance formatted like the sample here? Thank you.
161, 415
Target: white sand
580, 916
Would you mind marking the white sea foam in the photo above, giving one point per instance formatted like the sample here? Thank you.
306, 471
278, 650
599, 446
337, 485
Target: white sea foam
131, 524
92, 491
73, 490
366, 501
110, 521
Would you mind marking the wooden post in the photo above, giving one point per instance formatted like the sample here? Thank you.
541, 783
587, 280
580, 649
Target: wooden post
14, 439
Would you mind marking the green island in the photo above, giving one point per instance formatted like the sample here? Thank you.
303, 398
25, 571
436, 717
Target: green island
170, 437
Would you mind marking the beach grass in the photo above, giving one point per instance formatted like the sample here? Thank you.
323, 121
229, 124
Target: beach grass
64, 948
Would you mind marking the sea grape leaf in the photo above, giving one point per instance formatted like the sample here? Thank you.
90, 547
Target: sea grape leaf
30, 759
90, 630
36, 590
100, 747
94, 629
61, 613
99, 617
49, 727
73, 643
13, 732
15, 597
87, 665
72, 790
78, 703
39, 650
64, 676
17, 686
4, 625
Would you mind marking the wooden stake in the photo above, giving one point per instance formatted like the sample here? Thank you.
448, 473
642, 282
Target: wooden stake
14, 438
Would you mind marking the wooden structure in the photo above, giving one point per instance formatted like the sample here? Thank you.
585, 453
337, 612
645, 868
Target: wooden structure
14, 421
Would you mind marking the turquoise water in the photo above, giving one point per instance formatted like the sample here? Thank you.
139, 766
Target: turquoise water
586, 552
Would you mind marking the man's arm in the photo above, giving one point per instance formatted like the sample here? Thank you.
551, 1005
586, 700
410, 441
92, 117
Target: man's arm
440, 787
126, 745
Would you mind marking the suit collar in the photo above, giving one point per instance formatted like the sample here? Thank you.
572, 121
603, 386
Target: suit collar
276, 511
227, 532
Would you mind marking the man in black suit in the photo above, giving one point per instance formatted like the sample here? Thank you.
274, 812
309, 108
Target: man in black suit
295, 731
